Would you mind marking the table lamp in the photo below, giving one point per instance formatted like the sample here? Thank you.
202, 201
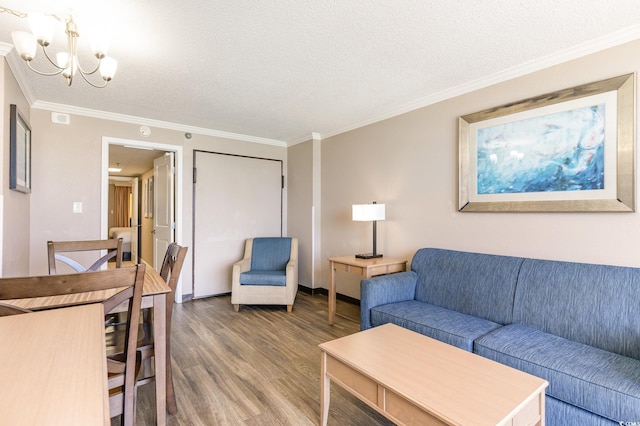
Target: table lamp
368, 213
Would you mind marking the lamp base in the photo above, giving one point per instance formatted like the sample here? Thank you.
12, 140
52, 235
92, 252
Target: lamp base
368, 256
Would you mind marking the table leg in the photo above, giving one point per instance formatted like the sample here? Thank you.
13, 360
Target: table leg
325, 391
332, 295
160, 355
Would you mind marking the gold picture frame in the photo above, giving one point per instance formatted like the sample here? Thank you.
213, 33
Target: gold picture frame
542, 155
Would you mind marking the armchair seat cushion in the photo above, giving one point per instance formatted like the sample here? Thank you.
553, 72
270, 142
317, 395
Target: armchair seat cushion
274, 278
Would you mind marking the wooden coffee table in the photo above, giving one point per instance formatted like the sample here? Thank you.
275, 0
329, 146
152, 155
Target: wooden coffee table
413, 379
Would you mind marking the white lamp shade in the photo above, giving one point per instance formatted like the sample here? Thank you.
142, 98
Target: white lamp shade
25, 43
108, 67
70, 66
42, 27
99, 42
367, 212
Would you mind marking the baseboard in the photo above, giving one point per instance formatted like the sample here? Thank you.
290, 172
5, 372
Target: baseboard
324, 292
308, 290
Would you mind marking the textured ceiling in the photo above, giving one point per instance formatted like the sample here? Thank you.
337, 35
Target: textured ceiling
283, 69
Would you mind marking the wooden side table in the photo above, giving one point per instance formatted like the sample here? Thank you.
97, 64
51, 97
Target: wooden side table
367, 268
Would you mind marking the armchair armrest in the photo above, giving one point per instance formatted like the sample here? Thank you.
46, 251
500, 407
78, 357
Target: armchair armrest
239, 267
385, 289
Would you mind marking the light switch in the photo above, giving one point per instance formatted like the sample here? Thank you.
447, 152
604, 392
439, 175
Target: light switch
77, 206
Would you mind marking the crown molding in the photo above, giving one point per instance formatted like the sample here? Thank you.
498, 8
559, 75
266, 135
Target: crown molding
86, 112
5, 48
611, 40
18, 69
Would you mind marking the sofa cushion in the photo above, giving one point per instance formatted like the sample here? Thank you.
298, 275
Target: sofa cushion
602, 382
592, 304
263, 278
439, 323
481, 285
270, 254
558, 413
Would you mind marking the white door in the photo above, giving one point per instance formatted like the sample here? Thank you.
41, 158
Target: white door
162, 191
135, 220
235, 198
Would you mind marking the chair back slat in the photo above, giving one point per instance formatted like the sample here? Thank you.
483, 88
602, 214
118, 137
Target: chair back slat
172, 265
55, 248
64, 284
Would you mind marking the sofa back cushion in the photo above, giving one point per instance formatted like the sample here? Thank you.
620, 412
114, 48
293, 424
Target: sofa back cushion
270, 254
481, 285
592, 304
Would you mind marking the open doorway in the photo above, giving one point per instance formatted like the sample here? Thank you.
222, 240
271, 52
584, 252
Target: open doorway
135, 160
130, 213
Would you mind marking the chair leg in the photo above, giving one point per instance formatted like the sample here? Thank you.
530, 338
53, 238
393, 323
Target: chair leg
289, 308
236, 308
172, 405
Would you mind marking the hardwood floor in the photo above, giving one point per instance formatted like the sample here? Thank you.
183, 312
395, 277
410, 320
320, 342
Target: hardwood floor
259, 366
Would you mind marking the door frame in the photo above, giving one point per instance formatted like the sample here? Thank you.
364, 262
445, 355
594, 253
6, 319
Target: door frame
178, 162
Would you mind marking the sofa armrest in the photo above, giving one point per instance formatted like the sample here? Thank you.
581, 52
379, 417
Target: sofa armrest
385, 289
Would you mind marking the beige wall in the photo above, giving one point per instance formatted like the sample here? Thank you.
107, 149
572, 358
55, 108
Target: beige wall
299, 183
67, 162
410, 162
16, 206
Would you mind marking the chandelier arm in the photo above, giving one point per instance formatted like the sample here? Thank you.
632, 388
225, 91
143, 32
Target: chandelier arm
93, 84
52, 62
88, 72
48, 74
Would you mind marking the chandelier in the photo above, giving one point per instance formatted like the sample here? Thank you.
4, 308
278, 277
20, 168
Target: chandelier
66, 62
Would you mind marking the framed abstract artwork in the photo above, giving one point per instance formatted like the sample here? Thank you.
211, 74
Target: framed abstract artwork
19, 152
566, 151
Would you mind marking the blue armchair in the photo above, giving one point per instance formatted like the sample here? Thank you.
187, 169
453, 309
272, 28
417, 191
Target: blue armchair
267, 274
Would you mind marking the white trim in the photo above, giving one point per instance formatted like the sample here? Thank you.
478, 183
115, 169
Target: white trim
19, 70
5, 48
93, 113
610, 40
179, 172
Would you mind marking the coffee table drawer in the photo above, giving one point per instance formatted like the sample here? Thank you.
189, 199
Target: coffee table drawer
355, 382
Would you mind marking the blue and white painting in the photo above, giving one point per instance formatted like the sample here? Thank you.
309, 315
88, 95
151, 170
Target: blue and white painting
563, 151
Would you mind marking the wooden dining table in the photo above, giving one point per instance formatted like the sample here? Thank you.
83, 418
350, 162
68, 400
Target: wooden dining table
53, 366
154, 297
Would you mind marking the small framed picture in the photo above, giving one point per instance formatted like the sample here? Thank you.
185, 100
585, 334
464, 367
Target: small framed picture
19, 152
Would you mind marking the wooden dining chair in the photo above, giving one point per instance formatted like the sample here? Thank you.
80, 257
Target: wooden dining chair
84, 249
112, 288
170, 272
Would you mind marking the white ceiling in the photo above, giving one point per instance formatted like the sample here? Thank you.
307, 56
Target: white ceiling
281, 70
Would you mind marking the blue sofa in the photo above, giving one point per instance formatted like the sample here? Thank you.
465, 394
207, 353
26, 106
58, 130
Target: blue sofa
576, 325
